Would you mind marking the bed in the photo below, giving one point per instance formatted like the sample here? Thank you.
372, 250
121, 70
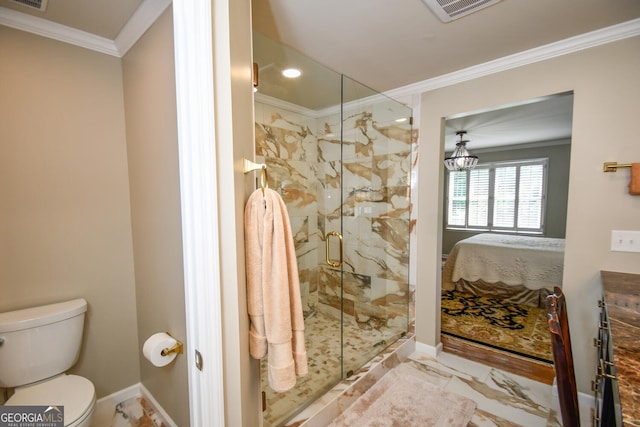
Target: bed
521, 269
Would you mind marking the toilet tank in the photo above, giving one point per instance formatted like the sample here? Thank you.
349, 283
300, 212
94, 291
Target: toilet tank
40, 342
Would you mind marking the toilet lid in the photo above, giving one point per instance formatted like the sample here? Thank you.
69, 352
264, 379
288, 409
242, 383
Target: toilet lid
75, 393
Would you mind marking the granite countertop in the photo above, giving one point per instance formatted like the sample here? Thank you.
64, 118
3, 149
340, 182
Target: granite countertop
622, 297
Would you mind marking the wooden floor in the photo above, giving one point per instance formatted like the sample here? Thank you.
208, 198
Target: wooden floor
519, 365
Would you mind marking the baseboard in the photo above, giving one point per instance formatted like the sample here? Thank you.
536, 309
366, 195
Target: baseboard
429, 350
147, 395
584, 399
105, 405
121, 395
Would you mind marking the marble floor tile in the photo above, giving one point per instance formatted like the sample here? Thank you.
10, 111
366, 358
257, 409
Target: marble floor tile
511, 408
522, 387
453, 365
324, 354
503, 399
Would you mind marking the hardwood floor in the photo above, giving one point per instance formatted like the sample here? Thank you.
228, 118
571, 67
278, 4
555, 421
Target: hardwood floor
528, 368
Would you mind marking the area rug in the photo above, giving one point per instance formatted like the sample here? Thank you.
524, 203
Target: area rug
405, 397
496, 323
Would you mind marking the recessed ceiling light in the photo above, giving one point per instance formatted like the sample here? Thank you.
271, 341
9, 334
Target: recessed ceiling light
291, 73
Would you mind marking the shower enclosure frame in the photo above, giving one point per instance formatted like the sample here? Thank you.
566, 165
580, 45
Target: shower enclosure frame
342, 170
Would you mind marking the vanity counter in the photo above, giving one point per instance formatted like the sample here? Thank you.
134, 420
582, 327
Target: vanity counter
622, 298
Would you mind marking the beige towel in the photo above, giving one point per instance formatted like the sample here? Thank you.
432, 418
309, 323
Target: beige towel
273, 290
634, 183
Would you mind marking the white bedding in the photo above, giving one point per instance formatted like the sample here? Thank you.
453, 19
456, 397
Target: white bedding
534, 262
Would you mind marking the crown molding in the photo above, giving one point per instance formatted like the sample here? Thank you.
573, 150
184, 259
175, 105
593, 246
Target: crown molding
138, 24
55, 31
143, 18
573, 44
150, 10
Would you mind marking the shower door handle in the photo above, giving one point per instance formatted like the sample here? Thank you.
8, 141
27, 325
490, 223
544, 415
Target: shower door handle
326, 242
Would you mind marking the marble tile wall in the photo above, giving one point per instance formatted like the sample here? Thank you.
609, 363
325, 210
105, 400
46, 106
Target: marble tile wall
307, 165
287, 142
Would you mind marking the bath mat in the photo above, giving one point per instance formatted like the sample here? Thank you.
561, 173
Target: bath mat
515, 328
405, 397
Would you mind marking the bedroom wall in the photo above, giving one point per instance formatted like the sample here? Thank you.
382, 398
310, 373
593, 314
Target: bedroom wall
604, 116
557, 187
64, 196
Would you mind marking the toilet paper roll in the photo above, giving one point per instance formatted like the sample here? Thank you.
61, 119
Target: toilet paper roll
153, 347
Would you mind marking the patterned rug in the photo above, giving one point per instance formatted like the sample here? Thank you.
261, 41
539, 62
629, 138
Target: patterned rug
518, 329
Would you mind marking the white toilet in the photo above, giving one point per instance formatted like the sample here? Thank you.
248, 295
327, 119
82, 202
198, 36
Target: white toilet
37, 346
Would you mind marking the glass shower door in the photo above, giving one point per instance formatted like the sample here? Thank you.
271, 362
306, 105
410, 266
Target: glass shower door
375, 222
297, 139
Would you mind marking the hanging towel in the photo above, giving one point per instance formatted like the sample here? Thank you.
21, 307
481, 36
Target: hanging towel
634, 183
273, 290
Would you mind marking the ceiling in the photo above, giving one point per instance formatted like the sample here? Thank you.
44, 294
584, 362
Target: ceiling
544, 120
387, 44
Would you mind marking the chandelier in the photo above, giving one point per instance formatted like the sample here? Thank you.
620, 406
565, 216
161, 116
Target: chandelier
461, 160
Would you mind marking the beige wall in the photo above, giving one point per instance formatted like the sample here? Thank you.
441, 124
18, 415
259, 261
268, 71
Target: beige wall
64, 196
152, 146
606, 92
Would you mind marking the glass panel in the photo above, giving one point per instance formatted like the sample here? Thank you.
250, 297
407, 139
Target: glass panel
505, 197
376, 162
478, 197
457, 205
530, 196
302, 153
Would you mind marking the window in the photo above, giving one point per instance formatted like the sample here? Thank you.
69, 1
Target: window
505, 196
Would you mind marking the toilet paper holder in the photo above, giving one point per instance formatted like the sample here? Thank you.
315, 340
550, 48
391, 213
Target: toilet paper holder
178, 348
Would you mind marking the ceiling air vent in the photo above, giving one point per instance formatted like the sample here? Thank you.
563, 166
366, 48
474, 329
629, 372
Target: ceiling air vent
40, 5
448, 10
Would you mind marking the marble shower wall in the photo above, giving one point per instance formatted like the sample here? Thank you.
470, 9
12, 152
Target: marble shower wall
287, 142
306, 165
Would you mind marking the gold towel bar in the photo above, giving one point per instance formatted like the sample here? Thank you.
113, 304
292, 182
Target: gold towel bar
613, 166
250, 166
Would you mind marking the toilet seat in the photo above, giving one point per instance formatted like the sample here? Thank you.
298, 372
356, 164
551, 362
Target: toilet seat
76, 394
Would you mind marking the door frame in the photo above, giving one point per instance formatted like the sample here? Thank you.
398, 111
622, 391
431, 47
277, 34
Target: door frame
215, 131
193, 44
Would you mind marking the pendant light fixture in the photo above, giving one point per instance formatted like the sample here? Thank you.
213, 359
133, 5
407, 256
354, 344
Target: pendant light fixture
461, 160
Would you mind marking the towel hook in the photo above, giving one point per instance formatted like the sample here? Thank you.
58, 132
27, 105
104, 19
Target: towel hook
264, 179
250, 166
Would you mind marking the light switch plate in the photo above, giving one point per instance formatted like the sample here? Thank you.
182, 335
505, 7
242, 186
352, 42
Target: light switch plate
625, 241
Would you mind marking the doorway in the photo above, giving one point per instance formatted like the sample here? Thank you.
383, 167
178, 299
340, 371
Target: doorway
485, 304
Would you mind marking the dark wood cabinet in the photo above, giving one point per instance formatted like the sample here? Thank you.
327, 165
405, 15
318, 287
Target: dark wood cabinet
617, 381
608, 410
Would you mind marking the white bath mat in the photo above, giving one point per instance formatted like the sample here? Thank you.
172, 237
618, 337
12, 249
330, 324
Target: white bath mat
404, 397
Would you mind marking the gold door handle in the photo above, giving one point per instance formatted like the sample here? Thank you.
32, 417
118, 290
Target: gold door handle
326, 242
